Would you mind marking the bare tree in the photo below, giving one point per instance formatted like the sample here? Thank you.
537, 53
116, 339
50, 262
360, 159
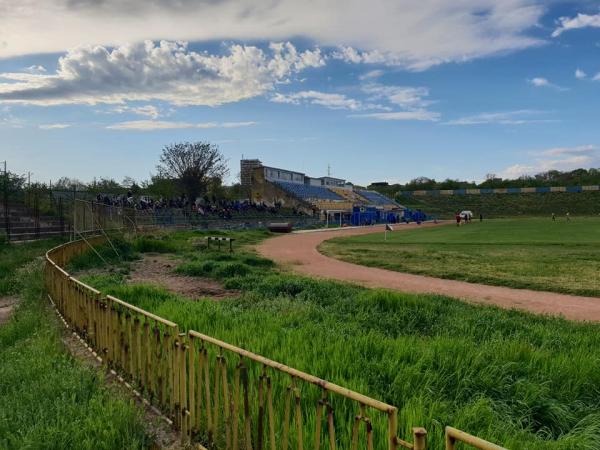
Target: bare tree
193, 165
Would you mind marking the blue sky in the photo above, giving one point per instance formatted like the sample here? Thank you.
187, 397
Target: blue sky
391, 91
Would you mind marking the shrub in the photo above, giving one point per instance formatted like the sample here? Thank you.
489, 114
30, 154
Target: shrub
257, 261
233, 269
146, 244
196, 269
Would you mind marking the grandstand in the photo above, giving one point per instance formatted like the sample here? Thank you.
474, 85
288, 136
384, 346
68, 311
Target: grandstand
377, 199
308, 192
327, 196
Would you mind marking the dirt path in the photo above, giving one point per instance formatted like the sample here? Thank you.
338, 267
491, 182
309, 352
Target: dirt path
299, 251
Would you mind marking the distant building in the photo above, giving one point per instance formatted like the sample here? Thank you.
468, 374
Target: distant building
247, 166
314, 195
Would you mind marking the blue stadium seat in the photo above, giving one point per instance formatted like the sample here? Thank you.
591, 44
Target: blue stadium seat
376, 198
307, 192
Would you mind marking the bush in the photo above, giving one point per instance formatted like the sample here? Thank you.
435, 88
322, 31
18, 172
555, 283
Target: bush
145, 244
124, 252
257, 261
196, 269
233, 269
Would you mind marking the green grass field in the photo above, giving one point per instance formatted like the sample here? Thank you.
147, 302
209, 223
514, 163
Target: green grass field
524, 381
522, 253
48, 400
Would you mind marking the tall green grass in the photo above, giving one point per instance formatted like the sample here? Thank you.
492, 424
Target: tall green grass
13, 256
47, 399
525, 381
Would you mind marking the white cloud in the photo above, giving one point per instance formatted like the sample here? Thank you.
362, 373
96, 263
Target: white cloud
371, 74
35, 69
404, 96
145, 110
562, 151
421, 115
386, 98
580, 74
328, 100
166, 71
54, 126
7, 120
539, 82
150, 125
518, 117
577, 22
596, 77
558, 158
544, 82
411, 33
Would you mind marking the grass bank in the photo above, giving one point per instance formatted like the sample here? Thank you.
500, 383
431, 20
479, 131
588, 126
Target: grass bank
47, 399
525, 381
507, 205
522, 253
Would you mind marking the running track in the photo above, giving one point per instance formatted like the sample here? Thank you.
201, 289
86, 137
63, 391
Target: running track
299, 252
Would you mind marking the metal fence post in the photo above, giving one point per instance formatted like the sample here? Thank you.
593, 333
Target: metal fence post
74, 212
61, 216
6, 207
36, 214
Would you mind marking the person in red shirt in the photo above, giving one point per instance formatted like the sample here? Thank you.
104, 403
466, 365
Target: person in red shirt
457, 219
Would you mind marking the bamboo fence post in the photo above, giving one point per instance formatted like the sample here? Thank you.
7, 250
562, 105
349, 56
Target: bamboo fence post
183, 405
419, 438
192, 383
393, 429
138, 350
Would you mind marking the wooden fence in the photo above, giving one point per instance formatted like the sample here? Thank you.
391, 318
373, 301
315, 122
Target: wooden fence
216, 393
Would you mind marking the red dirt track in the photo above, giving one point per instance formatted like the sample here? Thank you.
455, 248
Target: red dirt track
299, 252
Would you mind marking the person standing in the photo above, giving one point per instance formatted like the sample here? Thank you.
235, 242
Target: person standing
457, 217
553, 217
568, 216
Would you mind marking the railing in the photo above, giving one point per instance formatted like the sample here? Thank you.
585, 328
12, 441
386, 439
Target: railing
217, 393
453, 435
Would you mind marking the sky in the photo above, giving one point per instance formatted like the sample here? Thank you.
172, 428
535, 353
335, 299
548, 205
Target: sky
384, 90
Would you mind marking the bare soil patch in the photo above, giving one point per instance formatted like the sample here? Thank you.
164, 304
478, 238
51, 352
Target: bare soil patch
7, 305
158, 269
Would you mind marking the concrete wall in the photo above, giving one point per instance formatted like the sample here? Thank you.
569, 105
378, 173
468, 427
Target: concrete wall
269, 193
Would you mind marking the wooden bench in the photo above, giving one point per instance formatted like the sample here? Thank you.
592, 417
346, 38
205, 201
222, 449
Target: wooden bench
219, 239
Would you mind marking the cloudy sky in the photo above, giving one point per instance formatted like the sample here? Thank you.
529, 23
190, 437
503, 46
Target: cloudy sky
378, 90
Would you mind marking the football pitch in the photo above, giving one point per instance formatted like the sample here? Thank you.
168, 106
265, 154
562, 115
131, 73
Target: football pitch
531, 253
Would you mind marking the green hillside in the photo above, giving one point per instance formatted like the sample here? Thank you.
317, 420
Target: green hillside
507, 205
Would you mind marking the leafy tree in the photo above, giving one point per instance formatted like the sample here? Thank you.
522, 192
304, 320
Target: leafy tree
161, 187
194, 165
66, 184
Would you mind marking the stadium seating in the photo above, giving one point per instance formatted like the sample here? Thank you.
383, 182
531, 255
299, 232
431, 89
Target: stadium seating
376, 198
307, 192
350, 195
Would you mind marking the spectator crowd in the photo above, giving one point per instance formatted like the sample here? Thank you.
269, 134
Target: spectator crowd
203, 207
